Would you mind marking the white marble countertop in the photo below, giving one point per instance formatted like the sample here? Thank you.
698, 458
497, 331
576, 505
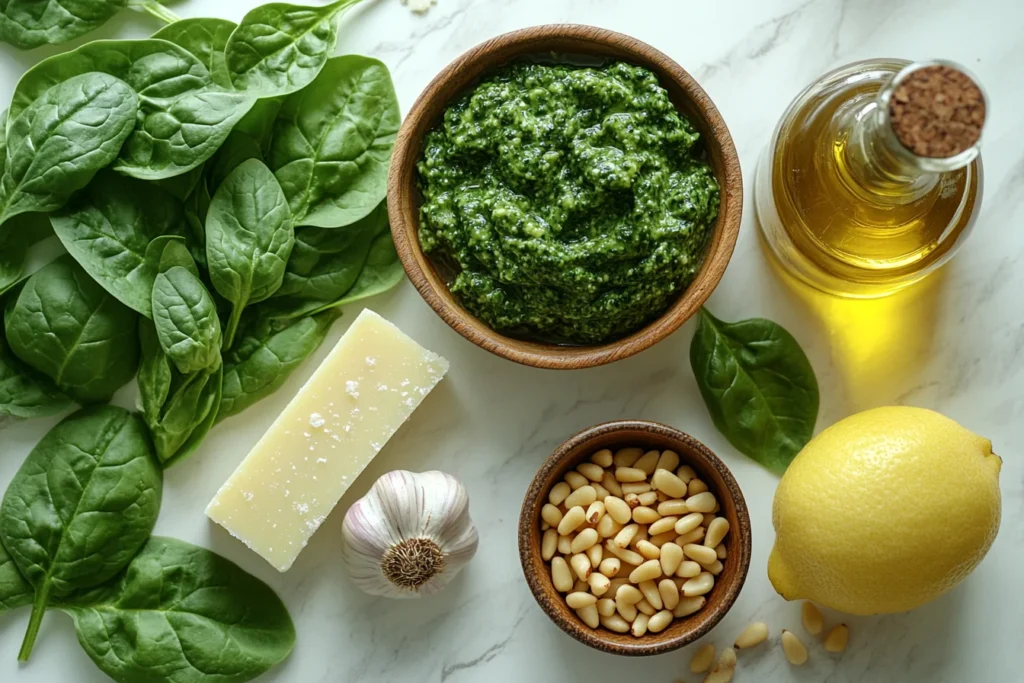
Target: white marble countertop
954, 344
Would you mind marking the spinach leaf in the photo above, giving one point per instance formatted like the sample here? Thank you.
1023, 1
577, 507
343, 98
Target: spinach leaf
181, 186
249, 238
182, 614
69, 328
205, 38
30, 23
108, 228
758, 385
156, 374
25, 393
280, 48
186, 320
332, 143
15, 591
17, 236
3, 140
168, 251
183, 116
237, 148
81, 506
62, 139
258, 124
196, 207
268, 351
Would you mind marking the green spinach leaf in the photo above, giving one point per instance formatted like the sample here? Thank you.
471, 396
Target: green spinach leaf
279, 48
182, 614
69, 328
249, 238
758, 385
186, 320
268, 351
181, 186
15, 591
205, 38
237, 148
25, 393
62, 139
332, 143
258, 124
30, 23
81, 506
108, 228
17, 236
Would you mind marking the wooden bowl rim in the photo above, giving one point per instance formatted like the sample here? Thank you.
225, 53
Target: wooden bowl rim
649, 644
403, 210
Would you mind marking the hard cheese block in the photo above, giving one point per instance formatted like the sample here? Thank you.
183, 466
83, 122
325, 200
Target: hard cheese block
284, 489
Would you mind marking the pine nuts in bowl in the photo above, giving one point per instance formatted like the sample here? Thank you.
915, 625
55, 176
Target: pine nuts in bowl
634, 538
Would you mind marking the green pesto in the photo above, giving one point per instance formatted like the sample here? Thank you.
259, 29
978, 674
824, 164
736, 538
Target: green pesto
573, 203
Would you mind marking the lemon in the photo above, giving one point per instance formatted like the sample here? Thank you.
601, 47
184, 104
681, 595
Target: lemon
884, 511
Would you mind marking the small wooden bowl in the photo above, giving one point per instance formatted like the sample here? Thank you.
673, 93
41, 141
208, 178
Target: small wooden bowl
404, 196
709, 468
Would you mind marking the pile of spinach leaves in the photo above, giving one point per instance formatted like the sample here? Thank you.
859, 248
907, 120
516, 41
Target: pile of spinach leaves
220, 192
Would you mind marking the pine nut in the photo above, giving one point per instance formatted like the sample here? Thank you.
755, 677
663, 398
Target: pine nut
646, 608
618, 510
575, 480
625, 554
796, 653
565, 544
632, 500
702, 659
581, 565
614, 488
714, 568
688, 569
544, 526
550, 514
580, 600
639, 627
699, 585
708, 518
673, 508
688, 606
560, 575
608, 527
637, 487
629, 595
661, 539
648, 550
589, 616
599, 583
626, 536
641, 535
686, 473
603, 458
601, 491
726, 660
662, 497
548, 544
628, 612
673, 486
616, 584
669, 593
572, 520
590, 471
629, 474
755, 634
660, 621
559, 492
651, 569
695, 486
606, 607
610, 566
596, 511
645, 515
625, 457
837, 638
669, 460
648, 462
720, 676
694, 536
702, 502
662, 525
580, 586
699, 553
615, 623
814, 623
721, 552
671, 557
651, 593
583, 496
649, 499
688, 523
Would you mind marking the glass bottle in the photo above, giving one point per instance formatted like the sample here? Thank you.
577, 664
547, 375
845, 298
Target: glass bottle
844, 204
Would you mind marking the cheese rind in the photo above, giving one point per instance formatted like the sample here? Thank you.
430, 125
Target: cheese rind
356, 400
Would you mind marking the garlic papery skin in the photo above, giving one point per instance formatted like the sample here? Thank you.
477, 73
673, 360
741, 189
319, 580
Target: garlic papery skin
410, 535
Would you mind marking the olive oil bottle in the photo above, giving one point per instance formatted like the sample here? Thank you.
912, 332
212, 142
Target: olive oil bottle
872, 179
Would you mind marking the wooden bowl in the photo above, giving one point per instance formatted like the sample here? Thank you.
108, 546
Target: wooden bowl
708, 467
404, 196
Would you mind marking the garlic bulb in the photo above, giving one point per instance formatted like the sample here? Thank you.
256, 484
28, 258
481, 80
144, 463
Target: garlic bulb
410, 535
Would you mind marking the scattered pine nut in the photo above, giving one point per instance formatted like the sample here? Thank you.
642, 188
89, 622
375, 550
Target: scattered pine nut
599, 583
698, 585
671, 558
837, 639
649, 499
651, 593
648, 462
581, 565
648, 550
608, 527
595, 554
669, 593
618, 510
625, 457
688, 523
561, 577
627, 611
796, 653
708, 518
688, 569
572, 520
715, 568
661, 526
727, 660
610, 566
645, 515
548, 545
615, 623
565, 544
673, 508
720, 676
575, 480
596, 512
559, 492
661, 539
632, 500
694, 536
660, 621
755, 634
637, 487
629, 474
583, 497
698, 553
646, 608
702, 659
673, 486
701, 502
814, 623
624, 554
605, 607
721, 552
651, 569
591, 471
608, 481
717, 531
669, 460
626, 536
696, 486
686, 473
603, 458
580, 600
551, 514
586, 539
579, 586
589, 616
688, 606
639, 627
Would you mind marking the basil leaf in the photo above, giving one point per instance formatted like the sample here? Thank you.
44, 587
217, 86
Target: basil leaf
758, 386
62, 139
15, 591
249, 237
186, 320
268, 351
206, 39
332, 143
109, 227
183, 614
69, 328
81, 506
280, 48
25, 393
30, 23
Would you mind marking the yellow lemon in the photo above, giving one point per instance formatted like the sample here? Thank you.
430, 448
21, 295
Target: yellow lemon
884, 511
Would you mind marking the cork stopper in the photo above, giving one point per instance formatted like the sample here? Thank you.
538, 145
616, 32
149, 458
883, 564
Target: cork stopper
937, 111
